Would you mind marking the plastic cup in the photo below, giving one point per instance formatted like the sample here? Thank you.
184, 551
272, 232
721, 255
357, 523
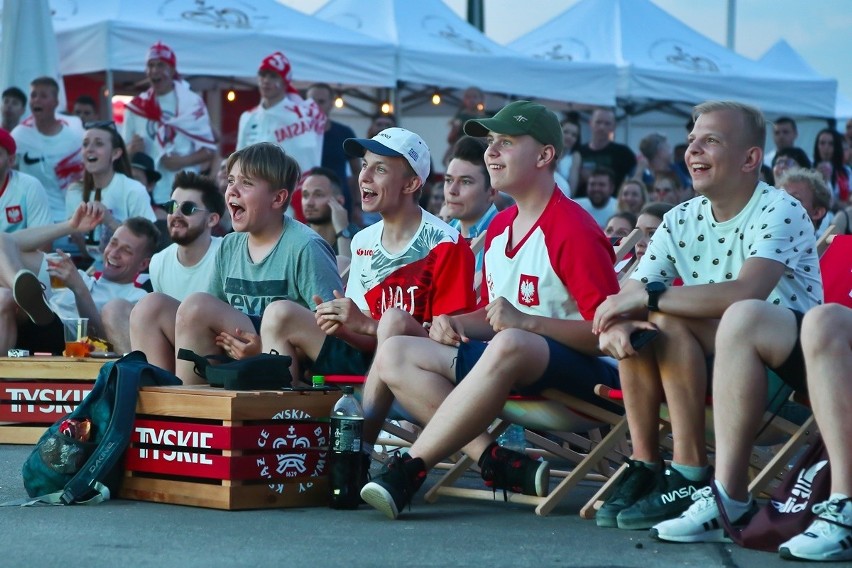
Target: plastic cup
76, 330
56, 282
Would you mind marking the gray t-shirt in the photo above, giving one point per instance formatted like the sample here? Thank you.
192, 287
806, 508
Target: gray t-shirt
300, 266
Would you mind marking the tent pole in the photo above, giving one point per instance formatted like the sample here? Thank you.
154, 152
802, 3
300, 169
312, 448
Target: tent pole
110, 92
397, 103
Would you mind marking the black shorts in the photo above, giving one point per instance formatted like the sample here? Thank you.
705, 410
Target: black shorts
792, 371
48, 338
567, 370
336, 357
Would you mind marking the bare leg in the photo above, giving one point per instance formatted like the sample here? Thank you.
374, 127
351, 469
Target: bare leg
115, 316
378, 398
827, 345
752, 334
200, 318
681, 351
290, 329
643, 395
513, 358
152, 329
8, 323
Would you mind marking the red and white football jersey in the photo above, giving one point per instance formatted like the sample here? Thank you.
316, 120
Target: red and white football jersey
433, 275
562, 268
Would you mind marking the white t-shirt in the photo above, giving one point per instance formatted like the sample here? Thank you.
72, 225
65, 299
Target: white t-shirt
23, 202
102, 290
691, 244
56, 161
601, 215
171, 277
124, 197
295, 124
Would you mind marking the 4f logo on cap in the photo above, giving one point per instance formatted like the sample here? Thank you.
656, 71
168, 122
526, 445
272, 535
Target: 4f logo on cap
520, 118
14, 215
528, 290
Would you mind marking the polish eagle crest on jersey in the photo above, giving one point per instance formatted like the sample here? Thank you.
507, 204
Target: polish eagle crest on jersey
528, 290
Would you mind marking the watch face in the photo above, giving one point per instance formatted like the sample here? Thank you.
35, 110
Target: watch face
655, 287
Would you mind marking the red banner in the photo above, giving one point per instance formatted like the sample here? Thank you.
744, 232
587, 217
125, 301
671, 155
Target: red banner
37, 402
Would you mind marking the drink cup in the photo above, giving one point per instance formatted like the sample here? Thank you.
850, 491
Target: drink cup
56, 282
75, 337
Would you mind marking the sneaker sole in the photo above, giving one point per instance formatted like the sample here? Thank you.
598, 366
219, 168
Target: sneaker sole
28, 295
838, 555
717, 535
606, 522
378, 497
542, 479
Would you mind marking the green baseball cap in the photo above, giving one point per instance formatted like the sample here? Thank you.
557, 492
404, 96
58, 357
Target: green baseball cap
517, 118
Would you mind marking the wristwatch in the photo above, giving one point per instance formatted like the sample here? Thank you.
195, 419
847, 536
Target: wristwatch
654, 290
345, 233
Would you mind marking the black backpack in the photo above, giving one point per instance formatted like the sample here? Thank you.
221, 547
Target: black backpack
62, 470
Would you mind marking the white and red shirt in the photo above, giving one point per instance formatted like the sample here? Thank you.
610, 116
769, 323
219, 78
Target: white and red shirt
562, 268
295, 124
23, 203
56, 161
433, 275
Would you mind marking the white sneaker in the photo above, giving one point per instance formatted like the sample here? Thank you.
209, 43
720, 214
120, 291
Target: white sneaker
700, 523
828, 538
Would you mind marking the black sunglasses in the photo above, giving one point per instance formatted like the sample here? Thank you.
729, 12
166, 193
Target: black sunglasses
186, 208
105, 124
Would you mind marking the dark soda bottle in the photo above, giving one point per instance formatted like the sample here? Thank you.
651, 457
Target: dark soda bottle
347, 423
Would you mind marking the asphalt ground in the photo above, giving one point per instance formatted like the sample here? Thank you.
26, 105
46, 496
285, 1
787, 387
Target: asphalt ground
450, 532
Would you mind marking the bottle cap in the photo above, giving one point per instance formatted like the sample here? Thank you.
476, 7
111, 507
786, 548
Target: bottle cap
348, 389
318, 381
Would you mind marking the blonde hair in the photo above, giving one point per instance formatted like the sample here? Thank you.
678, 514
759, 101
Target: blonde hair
754, 124
270, 163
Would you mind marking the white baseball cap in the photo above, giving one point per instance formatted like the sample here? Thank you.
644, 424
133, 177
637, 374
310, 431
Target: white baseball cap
397, 142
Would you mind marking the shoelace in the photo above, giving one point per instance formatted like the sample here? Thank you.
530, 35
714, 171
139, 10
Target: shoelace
829, 513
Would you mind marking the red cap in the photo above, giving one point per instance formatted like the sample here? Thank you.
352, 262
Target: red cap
7, 142
278, 63
162, 51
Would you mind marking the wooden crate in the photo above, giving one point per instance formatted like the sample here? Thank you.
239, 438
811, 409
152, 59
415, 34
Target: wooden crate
208, 447
35, 392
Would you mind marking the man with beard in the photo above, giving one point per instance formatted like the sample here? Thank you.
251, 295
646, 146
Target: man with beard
184, 266
600, 203
322, 205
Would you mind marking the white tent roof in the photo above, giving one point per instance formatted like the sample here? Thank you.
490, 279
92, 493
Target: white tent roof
222, 38
782, 56
661, 58
436, 47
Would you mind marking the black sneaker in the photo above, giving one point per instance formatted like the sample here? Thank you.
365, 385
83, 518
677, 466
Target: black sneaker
397, 483
365, 476
672, 497
513, 471
636, 482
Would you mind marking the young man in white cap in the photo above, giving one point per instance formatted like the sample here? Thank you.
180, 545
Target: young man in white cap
547, 267
283, 117
168, 122
410, 262
23, 201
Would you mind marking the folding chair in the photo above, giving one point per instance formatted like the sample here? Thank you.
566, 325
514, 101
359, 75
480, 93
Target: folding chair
836, 269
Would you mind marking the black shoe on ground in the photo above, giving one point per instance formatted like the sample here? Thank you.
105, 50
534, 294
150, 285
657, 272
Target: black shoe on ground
672, 497
636, 482
513, 471
397, 483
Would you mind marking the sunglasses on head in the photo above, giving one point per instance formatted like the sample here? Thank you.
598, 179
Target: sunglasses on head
105, 124
186, 208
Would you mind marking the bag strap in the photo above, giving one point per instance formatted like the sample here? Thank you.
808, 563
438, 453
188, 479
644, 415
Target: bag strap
102, 494
112, 445
201, 362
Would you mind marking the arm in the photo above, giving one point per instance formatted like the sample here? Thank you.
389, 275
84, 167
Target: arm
86, 217
174, 162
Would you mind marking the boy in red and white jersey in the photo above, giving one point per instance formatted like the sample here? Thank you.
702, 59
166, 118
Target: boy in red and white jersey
547, 267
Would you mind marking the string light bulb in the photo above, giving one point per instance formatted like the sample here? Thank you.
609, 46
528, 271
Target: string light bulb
480, 107
436, 98
386, 107
338, 102
231, 96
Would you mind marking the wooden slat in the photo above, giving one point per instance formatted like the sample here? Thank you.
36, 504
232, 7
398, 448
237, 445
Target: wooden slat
21, 434
50, 368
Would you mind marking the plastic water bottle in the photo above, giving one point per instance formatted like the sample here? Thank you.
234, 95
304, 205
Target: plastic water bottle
513, 438
347, 423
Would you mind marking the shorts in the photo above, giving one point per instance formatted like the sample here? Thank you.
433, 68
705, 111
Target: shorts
792, 371
255, 321
567, 370
336, 357
48, 338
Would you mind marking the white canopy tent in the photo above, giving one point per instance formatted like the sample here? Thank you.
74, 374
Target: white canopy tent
219, 38
659, 58
435, 47
782, 56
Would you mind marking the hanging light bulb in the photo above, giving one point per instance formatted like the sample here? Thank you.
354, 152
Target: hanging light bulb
480, 107
231, 96
386, 107
338, 102
436, 98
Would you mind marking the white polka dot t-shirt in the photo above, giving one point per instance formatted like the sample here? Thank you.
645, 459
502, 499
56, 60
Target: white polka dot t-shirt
692, 245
